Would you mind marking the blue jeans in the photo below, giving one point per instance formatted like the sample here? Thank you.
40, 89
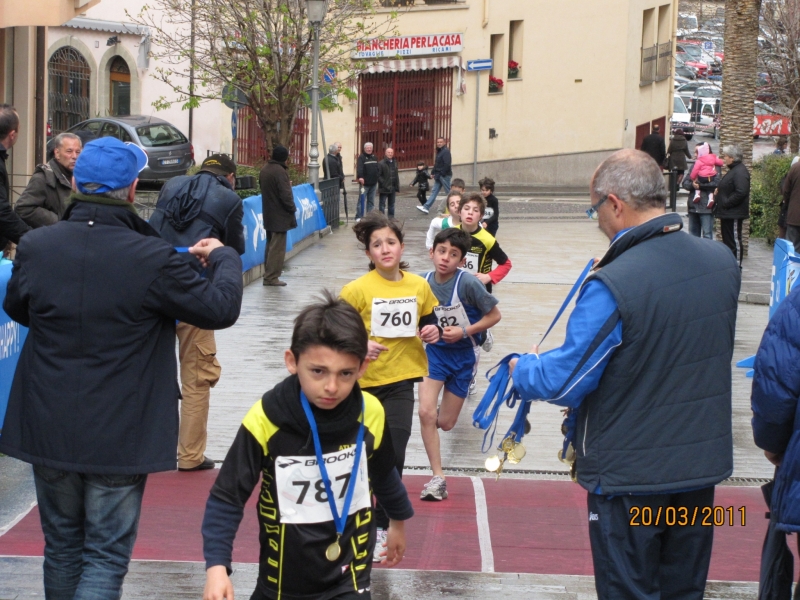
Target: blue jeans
701, 225
89, 524
387, 199
438, 184
369, 193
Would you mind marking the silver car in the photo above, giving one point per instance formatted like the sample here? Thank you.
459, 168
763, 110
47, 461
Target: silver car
169, 152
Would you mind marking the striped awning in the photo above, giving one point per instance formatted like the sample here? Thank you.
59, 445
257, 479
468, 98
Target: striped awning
414, 64
421, 64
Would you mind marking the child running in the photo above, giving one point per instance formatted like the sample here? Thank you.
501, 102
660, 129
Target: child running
491, 218
452, 219
319, 443
393, 304
458, 185
465, 311
485, 248
421, 180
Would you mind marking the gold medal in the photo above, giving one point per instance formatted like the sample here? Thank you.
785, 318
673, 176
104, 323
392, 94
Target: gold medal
334, 551
508, 445
493, 464
516, 454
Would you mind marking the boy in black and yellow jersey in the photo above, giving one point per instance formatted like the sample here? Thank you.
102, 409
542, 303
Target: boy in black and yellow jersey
321, 448
485, 248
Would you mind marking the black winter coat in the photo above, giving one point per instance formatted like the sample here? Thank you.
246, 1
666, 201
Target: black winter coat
190, 209
733, 199
11, 226
443, 166
389, 180
336, 171
653, 145
368, 169
45, 198
277, 200
677, 153
96, 387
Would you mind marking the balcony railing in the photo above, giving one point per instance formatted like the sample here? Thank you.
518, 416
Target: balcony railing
664, 62
649, 59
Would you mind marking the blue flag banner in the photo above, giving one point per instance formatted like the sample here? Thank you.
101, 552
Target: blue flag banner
12, 336
785, 272
308, 213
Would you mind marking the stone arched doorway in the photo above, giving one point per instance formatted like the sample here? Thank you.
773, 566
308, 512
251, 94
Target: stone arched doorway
69, 76
119, 88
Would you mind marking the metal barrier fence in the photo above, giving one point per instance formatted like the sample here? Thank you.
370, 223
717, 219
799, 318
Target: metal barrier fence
329, 190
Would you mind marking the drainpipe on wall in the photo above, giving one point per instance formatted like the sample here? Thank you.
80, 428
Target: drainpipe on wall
39, 117
485, 13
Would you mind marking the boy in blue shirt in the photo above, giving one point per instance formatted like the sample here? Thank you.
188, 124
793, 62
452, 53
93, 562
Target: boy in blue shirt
321, 448
466, 310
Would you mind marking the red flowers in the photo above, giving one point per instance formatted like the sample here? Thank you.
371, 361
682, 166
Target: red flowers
495, 84
513, 65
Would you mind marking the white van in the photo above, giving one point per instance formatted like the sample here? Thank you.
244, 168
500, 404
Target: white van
681, 119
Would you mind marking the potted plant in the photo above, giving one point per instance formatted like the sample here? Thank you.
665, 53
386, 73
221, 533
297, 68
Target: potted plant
513, 69
495, 84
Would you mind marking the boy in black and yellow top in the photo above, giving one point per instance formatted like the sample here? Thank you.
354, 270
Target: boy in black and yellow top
485, 248
316, 519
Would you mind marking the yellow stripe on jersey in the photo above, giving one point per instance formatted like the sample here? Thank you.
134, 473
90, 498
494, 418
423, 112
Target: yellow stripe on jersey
259, 426
374, 418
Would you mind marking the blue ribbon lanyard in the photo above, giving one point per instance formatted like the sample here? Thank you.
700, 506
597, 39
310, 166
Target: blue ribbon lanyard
338, 520
488, 409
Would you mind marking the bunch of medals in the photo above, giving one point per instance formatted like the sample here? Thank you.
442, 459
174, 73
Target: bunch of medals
510, 450
567, 454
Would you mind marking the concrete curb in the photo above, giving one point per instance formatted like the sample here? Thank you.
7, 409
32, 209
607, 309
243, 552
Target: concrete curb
257, 272
753, 298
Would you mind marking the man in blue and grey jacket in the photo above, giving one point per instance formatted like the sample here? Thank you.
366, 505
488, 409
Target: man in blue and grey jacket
649, 383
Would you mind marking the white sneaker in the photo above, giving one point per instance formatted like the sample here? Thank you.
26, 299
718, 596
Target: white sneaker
423, 209
380, 546
435, 489
472, 385
488, 343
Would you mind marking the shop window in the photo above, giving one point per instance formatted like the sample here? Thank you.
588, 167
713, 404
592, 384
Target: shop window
68, 84
498, 74
120, 88
515, 38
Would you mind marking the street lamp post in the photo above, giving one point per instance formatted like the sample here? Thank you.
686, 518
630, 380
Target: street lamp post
316, 15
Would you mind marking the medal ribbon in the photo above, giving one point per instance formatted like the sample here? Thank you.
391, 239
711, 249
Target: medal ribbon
338, 520
488, 409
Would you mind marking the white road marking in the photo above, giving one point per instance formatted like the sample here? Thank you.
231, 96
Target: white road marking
482, 516
4, 530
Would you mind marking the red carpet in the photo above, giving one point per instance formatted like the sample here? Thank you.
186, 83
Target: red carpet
535, 527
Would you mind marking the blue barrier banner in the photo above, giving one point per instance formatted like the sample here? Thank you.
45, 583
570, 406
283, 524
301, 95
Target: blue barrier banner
308, 213
12, 336
785, 272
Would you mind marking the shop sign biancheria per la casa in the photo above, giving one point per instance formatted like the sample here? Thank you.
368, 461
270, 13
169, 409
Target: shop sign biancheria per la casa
408, 45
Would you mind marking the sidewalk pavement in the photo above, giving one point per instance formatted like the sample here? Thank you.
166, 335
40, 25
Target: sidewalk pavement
548, 249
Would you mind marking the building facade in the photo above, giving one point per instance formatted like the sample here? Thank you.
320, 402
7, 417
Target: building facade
578, 82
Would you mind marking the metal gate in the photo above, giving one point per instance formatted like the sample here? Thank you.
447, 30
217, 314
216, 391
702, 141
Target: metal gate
406, 110
251, 148
68, 99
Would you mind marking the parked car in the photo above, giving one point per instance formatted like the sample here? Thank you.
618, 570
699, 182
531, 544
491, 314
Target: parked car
681, 119
683, 59
682, 70
169, 152
696, 56
698, 88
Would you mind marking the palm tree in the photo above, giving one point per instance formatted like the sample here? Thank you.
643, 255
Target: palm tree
739, 82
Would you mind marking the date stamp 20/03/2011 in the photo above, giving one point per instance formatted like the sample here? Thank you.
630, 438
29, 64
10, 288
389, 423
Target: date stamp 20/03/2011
682, 516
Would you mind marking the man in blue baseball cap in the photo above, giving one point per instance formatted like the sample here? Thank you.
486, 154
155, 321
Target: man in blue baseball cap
94, 401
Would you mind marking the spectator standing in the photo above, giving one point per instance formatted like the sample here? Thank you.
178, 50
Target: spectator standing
277, 204
332, 164
774, 401
12, 227
491, 218
190, 209
677, 153
791, 201
732, 199
654, 145
780, 145
45, 198
442, 173
95, 409
389, 183
368, 173
648, 384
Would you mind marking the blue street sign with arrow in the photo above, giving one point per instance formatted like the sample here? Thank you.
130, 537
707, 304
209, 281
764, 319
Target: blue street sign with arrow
484, 64
234, 123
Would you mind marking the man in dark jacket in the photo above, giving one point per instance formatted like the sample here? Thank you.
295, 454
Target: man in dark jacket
11, 226
190, 209
648, 386
732, 198
654, 145
332, 164
45, 198
95, 408
368, 173
791, 200
388, 183
277, 201
442, 174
